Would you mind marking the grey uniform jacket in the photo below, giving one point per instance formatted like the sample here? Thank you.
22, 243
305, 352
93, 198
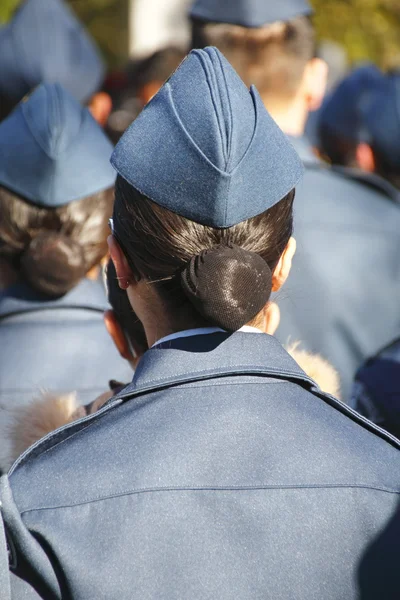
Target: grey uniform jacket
220, 472
342, 298
58, 345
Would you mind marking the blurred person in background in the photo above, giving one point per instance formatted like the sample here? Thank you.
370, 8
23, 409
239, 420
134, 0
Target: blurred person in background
381, 152
149, 74
342, 298
56, 195
46, 43
376, 391
222, 470
335, 57
144, 78
342, 126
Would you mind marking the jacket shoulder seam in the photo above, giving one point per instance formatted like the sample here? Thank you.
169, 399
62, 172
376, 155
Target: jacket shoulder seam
238, 488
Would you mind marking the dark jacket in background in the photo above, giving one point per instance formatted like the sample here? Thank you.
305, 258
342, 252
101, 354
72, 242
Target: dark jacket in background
342, 296
58, 345
220, 472
376, 391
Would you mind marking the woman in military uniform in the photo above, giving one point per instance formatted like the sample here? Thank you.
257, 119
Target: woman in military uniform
222, 470
56, 195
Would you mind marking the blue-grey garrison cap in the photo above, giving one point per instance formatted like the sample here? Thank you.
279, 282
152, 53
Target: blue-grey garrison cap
52, 151
382, 121
343, 112
206, 148
45, 42
249, 13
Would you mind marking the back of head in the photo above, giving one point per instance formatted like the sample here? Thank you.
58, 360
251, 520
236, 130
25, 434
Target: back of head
56, 190
268, 43
342, 124
45, 42
204, 194
382, 122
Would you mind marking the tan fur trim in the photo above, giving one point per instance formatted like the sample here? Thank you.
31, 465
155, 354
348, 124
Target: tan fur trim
23, 426
317, 368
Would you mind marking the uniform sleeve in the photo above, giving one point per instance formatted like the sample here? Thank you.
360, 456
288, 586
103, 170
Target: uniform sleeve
25, 567
4, 562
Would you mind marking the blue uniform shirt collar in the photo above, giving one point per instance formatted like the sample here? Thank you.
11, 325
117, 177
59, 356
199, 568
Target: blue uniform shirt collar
201, 331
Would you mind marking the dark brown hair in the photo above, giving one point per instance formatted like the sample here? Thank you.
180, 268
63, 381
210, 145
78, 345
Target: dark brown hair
54, 248
336, 148
385, 168
6, 106
156, 67
272, 58
160, 244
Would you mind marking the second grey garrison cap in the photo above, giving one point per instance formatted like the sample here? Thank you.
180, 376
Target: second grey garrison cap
249, 13
206, 148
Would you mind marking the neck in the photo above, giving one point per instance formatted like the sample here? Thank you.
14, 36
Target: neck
290, 116
156, 317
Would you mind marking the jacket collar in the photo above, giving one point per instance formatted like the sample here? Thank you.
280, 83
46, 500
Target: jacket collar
20, 298
196, 358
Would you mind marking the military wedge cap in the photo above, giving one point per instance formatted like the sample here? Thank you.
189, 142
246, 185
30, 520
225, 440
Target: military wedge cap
45, 42
52, 151
343, 111
382, 121
206, 148
249, 13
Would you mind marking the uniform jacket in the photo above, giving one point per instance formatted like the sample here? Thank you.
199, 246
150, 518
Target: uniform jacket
24, 425
59, 345
221, 472
342, 297
376, 391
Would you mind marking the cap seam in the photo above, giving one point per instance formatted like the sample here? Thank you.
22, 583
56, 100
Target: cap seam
229, 155
210, 74
38, 138
191, 140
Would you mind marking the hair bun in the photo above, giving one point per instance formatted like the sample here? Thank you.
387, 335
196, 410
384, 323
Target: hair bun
53, 263
229, 286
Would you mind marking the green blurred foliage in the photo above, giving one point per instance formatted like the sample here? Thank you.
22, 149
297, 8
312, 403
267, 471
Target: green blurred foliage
369, 29
6, 9
105, 19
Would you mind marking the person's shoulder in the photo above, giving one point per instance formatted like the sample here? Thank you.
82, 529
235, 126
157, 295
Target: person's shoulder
338, 196
354, 181
333, 445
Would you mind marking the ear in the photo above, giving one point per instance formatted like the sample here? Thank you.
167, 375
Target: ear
122, 268
314, 82
101, 106
365, 158
282, 269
